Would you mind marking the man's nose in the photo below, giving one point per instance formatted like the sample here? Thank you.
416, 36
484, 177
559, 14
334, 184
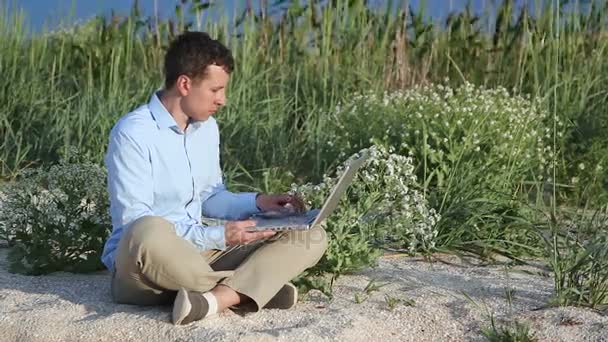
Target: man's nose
220, 100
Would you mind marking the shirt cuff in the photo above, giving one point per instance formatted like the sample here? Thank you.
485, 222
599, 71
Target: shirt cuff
216, 236
249, 199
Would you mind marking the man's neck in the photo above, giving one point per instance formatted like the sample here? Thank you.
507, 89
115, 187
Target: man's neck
172, 103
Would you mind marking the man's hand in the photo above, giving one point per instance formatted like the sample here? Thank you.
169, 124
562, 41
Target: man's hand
236, 233
280, 203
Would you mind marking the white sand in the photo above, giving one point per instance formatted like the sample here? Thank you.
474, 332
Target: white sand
68, 307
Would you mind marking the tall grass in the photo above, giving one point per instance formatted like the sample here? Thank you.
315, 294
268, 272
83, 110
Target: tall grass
68, 87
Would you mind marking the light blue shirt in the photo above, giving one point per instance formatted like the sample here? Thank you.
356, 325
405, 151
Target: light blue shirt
155, 168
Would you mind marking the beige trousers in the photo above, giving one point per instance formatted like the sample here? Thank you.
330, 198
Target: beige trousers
152, 263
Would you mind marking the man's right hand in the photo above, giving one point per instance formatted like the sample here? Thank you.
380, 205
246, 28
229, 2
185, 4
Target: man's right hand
236, 233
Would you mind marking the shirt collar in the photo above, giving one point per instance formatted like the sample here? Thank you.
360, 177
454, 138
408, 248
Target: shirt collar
163, 118
160, 114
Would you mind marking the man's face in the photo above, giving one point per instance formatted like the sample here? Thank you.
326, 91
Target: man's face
204, 97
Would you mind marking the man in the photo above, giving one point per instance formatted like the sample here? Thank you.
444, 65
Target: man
164, 174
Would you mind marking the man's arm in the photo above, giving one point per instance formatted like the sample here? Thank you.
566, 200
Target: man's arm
223, 204
218, 202
130, 182
227, 205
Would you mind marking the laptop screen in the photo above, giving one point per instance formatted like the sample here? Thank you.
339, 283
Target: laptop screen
336, 193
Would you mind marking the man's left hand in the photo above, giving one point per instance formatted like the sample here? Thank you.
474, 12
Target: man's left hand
280, 202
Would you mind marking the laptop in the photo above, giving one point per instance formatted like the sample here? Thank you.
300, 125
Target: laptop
280, 221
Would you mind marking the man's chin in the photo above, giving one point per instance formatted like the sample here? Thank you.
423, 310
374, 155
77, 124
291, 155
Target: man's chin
201, 118
208, 115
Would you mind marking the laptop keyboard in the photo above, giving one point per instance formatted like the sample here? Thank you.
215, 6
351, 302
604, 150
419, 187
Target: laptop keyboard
281, 228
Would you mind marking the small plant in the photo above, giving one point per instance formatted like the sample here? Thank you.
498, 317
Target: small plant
370, 288
359, 298
509, 296
56, 219
512, 332
392, 302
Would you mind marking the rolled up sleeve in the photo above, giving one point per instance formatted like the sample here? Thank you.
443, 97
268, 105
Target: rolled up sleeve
227, 205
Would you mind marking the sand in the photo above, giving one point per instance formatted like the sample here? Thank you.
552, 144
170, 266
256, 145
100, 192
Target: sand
439, 302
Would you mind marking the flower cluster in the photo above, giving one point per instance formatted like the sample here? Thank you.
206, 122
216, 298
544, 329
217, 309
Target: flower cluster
440, 125
409, 218
476, 150
56, 219
384, 201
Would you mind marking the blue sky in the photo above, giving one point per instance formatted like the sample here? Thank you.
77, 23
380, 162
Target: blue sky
49, 13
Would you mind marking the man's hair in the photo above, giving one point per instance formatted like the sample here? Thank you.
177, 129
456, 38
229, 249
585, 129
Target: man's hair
190, 53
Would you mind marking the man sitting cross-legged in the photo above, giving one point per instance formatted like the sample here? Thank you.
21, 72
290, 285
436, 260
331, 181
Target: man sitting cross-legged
164, 175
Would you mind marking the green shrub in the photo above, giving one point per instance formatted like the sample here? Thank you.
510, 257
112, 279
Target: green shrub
384, 208
510, 332
56, 219
477, 150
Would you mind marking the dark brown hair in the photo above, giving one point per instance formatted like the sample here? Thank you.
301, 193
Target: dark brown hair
190, 53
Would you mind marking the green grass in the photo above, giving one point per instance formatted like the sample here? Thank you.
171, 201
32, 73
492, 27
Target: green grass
512, 332
289, 75
578, 257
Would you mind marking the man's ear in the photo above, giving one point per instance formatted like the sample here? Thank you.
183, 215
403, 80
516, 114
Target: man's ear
183, 84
